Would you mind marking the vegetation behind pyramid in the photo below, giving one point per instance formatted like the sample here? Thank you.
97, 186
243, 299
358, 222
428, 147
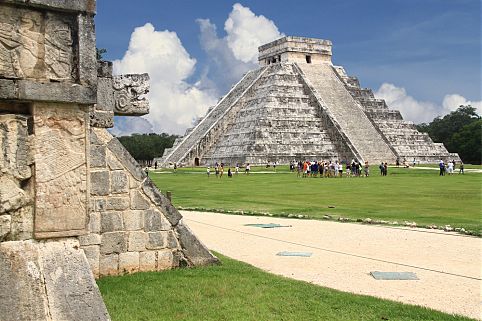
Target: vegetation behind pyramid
298, 106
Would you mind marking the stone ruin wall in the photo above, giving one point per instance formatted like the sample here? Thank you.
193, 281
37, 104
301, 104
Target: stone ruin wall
73, 202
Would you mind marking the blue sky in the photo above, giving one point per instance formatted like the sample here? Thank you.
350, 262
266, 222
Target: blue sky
423, 57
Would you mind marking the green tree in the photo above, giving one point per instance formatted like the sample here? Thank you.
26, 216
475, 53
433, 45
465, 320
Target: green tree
469, 142
145, 147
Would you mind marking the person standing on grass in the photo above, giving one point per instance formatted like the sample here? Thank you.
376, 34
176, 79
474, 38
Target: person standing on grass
461, 168
221, 170
229, 173
348, 169
385, 169
236, 169
442, 168
217, 170
381, 168
208, 171
175, 167
366, 169
248, 168
450, 168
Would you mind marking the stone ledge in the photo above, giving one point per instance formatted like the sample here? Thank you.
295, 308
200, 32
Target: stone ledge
87, 6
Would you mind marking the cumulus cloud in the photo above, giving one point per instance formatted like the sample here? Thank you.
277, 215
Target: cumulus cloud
420, 111
173, 101
236, 53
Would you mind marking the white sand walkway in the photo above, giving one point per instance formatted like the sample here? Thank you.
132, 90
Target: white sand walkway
448, 265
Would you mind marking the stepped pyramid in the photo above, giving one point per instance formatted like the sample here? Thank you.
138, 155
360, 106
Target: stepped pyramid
297, 105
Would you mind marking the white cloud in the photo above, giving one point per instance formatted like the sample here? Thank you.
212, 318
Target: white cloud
246, 32
236, 53
173, 101
420, 111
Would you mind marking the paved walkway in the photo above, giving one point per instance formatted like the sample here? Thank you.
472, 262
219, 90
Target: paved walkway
448, 265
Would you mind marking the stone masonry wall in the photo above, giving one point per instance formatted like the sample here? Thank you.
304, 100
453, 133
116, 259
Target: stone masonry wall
132, 226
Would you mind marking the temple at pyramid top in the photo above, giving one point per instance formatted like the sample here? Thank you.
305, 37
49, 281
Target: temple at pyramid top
295, 49
297, 105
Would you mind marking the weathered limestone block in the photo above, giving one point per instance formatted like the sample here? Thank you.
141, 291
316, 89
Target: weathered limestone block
97, 156
147, 261
119, 182
95, 222
157, 240
100, 204
92, 253
154, 221
22, 224
5, 226
117, 203
164, 260
194, 251
99, 183
127, 161
90, 239
15, 155
112, 162
137, 241
61, 151
133, 220
111, 222
38, 281
138, 202
129, 262
12, 197
109, 264
113, 242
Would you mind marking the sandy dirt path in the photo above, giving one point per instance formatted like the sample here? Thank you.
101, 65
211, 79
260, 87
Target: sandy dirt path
449, 266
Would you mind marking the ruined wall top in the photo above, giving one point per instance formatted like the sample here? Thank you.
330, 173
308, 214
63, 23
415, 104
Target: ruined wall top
295, 49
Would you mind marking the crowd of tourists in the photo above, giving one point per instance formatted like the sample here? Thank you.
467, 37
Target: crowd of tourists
219, 170
449, 168
334, 169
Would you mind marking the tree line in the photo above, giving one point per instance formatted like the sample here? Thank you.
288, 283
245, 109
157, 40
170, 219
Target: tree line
460, 132
145, 147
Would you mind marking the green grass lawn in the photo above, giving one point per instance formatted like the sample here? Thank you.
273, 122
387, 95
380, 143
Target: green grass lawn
405, 194
238, 291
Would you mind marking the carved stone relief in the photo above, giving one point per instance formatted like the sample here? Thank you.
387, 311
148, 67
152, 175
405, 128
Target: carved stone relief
61, 170
129, 94
34, 45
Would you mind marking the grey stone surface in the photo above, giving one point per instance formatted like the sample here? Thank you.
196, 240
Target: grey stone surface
52, 92
138, 202
104, 69
147, 261
137, 241
169, 211
101, 119
156, 241
100, 204
129, 94
92, 253
87, 6
118, 203
119, 182
111, 221
94, 222
40, 280
113, 242
129, 262
165, 260
152, 221
133, 220
194, 251
5, 226
89, 239
97, 156
109, 264
99, 183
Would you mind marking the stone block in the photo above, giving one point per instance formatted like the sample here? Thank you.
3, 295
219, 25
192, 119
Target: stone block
118, 203
55, 92
157, 240
101, 119
22, 224
137, 241
99, 183
94, 223
133, 220
39, 280
152, 221
147, 261
112, 162
138, 202
171, 240
129, 262
89, 239
111, 221
97, 156
100, 205
92, 253
195, 252
113, 242
5, 226
164, 260
105, 93
109, 264
119, 182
